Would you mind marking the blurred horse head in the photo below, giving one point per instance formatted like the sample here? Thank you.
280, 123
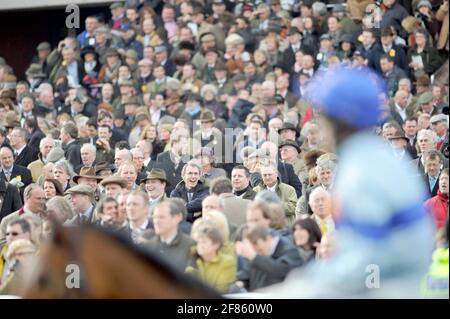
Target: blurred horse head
86, 262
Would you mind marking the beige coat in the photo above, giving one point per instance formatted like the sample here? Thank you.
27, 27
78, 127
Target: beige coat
288, 197
36, 169
234, 208
356, 8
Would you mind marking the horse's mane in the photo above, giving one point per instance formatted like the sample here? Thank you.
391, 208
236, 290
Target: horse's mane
152, 258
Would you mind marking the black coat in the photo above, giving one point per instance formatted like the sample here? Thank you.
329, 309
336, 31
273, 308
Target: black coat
10, 197
170, 67
27, 156
431, 192
264, 271
35, 139
25, 176
173, 173
195, 205
73, 154
248, 194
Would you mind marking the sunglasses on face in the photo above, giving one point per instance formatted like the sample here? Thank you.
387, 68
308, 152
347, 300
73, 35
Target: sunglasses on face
12, 234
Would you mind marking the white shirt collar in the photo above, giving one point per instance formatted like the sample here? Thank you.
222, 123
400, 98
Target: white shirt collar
170, 240
273, 189
20, 150
143, 226
275, 241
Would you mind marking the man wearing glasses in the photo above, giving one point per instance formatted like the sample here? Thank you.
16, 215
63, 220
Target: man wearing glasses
17, 229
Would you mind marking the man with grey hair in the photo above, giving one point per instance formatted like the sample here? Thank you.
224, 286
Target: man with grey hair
439, 124
46, 101
426, 141
326, 166
88, 155
191, 189
34, 204
45, 146
23, 154
320, 203
272, 183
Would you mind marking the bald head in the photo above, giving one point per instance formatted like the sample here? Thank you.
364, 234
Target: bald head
211, 203
122, 156
401, 98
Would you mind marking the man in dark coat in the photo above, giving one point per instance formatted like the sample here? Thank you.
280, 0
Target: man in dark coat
36, 135
11, 173
71, 146
393, 15
433, 165
10, 200
240, 179
169, 240
23, 154
270, 259
191, 190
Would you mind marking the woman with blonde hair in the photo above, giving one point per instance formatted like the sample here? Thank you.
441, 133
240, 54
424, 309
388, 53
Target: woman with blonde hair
210, 262
21, 254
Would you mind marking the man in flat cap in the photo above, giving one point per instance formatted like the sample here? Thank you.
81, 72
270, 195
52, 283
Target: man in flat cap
43, 50
102, 42
155, 185
425, 104
289, 153
82, 202
439, 124
117, 15
113, 186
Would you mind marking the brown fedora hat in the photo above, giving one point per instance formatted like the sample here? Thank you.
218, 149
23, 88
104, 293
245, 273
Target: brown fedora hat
114, 180
399, 136
87, 172
207, 116
156, 173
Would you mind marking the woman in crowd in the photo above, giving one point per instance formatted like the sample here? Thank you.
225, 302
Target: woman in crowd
63, 173
52, 188
307, 237
209, 263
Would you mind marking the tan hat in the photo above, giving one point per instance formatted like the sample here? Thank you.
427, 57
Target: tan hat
114, 180
11, 120
131, 100
87, 172
425, 98
269, 101
171, 100
132, 54
43, 46
81, 189
234, 39
35, 71
156, 173
207, 116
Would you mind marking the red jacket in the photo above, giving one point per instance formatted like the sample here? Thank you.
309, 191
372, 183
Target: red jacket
438, 207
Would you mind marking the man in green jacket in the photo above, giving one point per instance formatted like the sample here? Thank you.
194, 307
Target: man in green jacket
286, 193
169, 240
